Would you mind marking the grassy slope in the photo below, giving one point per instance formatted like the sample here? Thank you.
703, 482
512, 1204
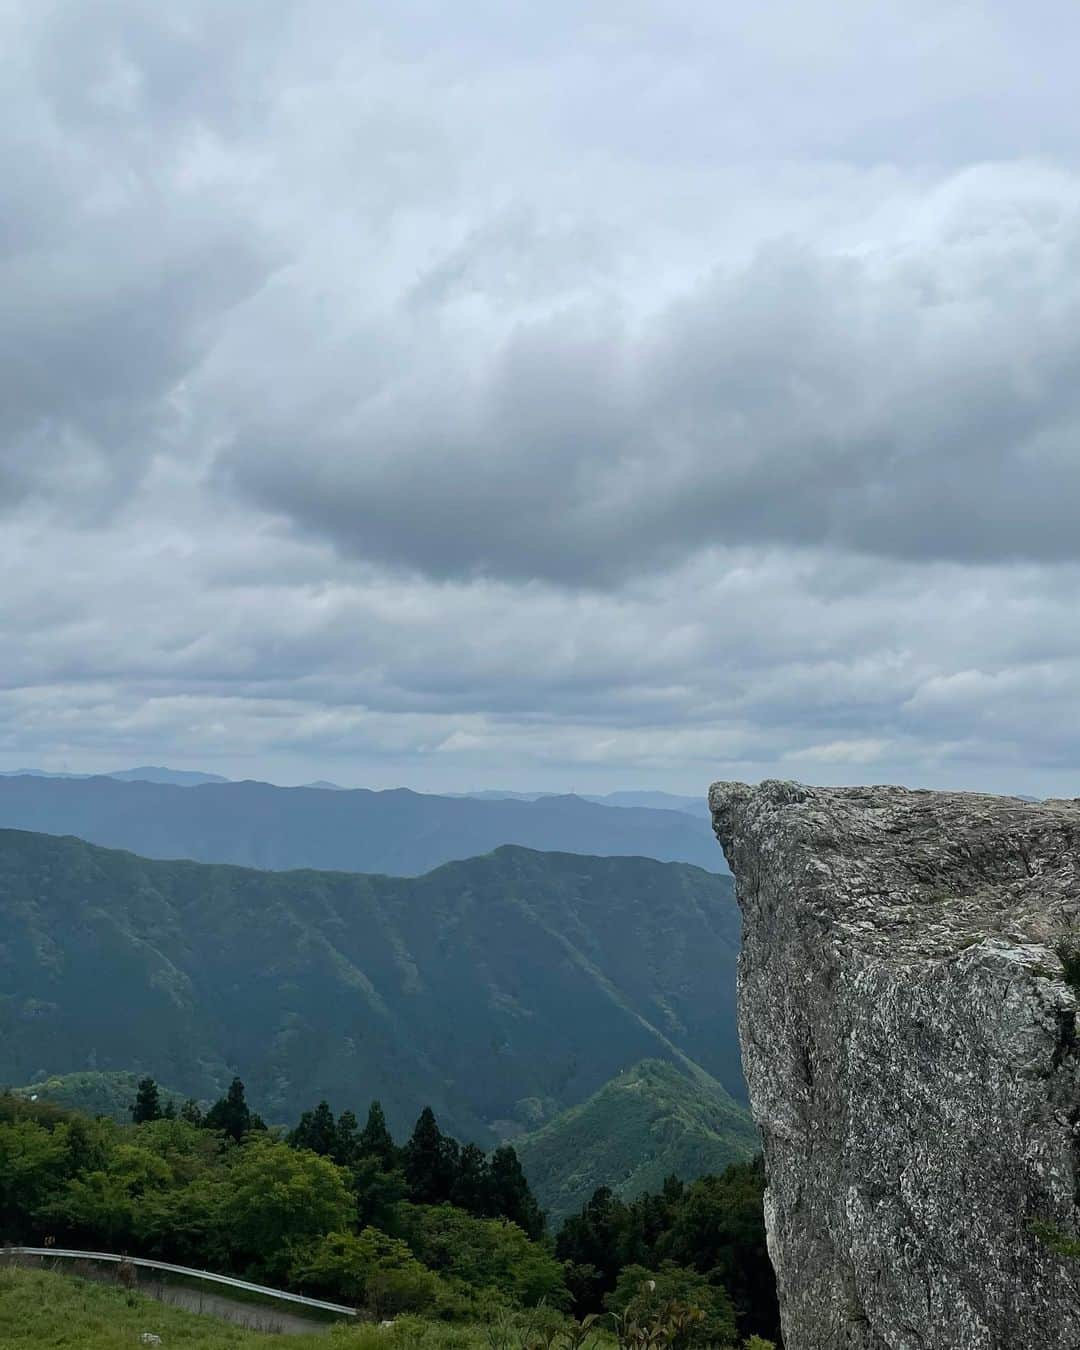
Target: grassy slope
41, 1309
500, 988
648, 1123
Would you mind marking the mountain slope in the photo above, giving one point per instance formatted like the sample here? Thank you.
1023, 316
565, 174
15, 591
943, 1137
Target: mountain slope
95, 1094
400, 832
500, 989
648, 1123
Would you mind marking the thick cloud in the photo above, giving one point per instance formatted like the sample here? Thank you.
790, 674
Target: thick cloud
545, 396
917, 399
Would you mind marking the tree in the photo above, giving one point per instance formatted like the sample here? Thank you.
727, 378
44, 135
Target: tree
719, 1226
378, 1194
33, 1164
471, 1190
485, 1254
698, 1312
369, 1266
509, 1193
147, 1103
347, 1145
590, 1242
376, 1139
316, 1131
192, 1112
430, 1162
232, 1115
275, 1199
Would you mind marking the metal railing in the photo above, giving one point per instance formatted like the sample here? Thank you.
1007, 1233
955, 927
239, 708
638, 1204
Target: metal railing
144, 1263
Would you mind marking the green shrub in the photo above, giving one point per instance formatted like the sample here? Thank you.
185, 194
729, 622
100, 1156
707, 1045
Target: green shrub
678, 1305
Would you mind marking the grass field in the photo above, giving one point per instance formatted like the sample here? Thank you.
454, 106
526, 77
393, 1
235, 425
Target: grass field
41, 1310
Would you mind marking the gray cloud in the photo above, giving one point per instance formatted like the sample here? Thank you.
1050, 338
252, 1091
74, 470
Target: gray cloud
919, 399
541, 395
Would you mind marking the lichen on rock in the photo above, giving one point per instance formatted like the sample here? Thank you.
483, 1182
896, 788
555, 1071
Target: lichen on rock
910, 1044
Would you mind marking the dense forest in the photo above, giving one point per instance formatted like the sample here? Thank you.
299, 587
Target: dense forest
501, 989
338, 1208
651, 1121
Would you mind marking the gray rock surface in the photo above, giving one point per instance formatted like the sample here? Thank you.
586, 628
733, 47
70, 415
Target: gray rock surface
910, 1044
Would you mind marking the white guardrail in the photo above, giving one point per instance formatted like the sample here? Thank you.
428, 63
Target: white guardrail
182, 1270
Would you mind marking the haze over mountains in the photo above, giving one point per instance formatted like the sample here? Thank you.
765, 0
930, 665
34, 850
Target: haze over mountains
500, 989
398, 832
146, 773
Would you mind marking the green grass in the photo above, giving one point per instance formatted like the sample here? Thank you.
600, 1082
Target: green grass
41, 1310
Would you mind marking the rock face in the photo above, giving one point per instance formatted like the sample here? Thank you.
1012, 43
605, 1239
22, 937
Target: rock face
910, 1042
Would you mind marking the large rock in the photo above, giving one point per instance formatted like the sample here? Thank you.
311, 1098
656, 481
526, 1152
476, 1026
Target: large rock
910, 1043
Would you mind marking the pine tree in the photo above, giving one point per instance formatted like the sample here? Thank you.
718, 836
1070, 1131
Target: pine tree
430, 1162
232, 1115
316, 1131
509, 1192
147, 1103
471, 1189
346, 1149
376, 1140
191, 1111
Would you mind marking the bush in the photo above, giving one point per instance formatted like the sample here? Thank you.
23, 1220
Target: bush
485, 1254
370, 1268
680, 1305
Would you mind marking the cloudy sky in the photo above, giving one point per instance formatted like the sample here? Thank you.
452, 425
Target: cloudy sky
546, 395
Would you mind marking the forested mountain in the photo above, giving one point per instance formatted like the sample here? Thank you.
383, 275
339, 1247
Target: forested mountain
94, 1093
399, 832
650, 1122
500, 989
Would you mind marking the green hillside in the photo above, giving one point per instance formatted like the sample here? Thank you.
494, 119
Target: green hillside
95, 1094
499, 990
648, 1123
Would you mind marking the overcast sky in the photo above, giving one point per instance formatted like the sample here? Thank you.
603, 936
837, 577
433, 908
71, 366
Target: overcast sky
563, 395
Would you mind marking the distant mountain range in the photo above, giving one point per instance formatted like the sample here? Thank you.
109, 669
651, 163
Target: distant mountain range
399, 832
147, 773
660, 801
650, 1122
501, 989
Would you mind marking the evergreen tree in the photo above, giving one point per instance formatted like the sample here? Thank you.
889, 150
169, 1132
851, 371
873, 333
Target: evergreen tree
147, 1103
191, 1112
472, 1185
168, 1111
347, 1146
232, 1115
590, 1243
316, 1131
510, 1194
376, 1139
430, 1162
